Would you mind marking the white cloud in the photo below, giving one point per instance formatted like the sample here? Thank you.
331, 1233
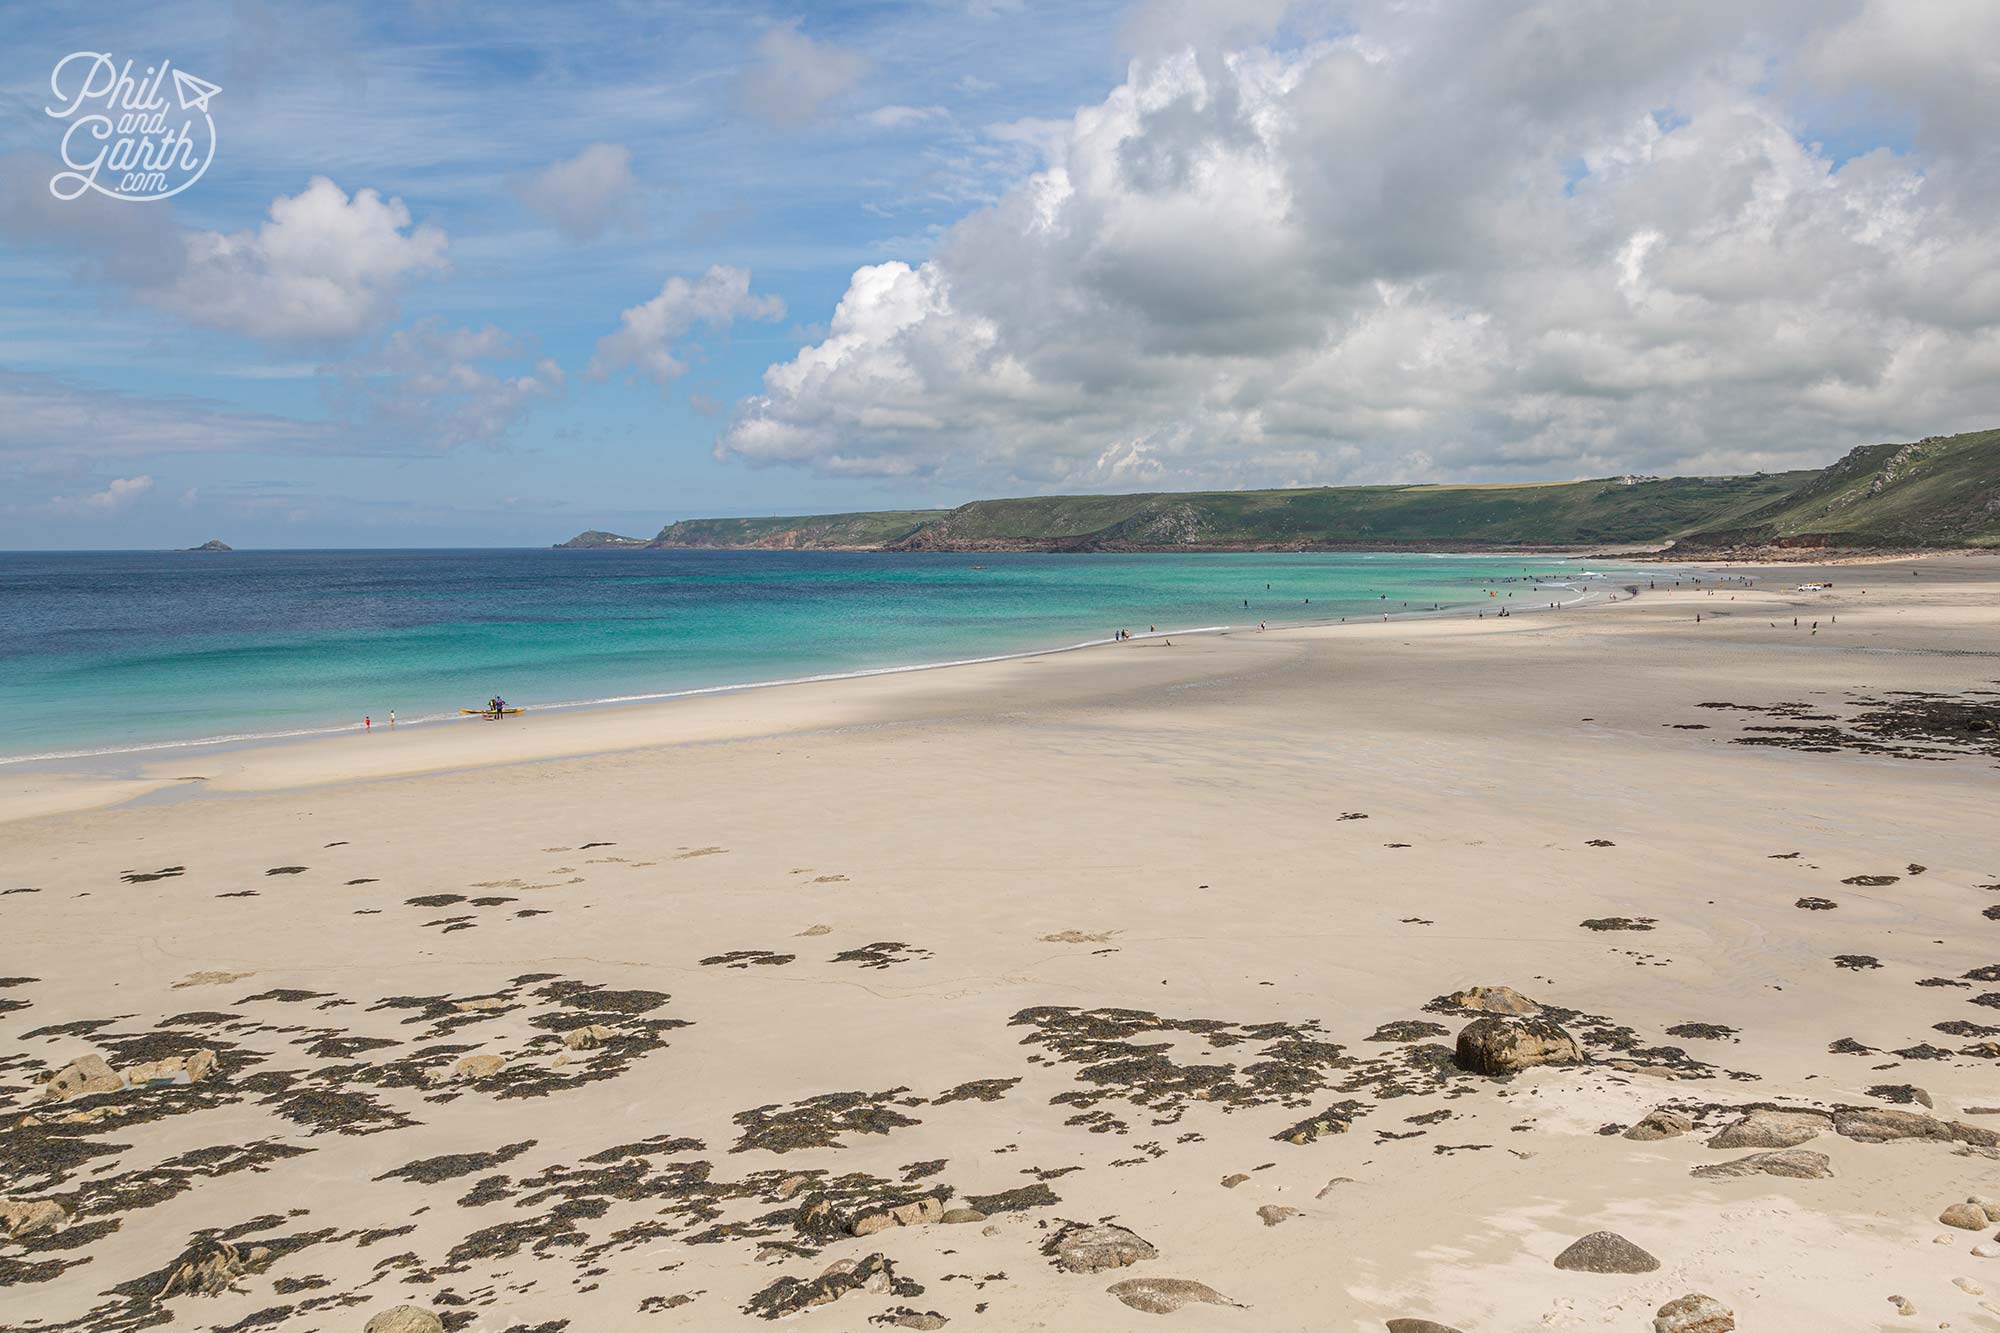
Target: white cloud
902, 117
585, 195
437, 387
120, 494
323, 267
793, 76
48, 418
1449, 241
644, 343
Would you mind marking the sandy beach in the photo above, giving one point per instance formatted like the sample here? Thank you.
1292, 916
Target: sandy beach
1137, 987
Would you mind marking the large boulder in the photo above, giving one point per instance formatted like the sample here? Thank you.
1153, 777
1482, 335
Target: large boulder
1093, 1249
1497, 1046
1494, 1000
1876, 1125
1965, 1216
1164, 1295
1798, 1163
1660, 1124
1772, 1129
1694, 1313
81, 1077
1606, 1252
404, 1319
30, 1217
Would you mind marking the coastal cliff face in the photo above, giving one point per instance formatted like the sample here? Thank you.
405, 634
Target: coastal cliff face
1937, 492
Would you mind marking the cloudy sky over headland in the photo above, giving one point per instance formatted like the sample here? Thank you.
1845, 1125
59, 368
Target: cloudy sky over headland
489, 274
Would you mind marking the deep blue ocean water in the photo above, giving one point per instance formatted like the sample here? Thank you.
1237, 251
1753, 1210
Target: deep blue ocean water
119, 650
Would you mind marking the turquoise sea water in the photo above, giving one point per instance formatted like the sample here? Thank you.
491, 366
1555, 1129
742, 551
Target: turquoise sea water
108, 651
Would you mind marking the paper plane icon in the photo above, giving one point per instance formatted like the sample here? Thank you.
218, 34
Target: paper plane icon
194, 93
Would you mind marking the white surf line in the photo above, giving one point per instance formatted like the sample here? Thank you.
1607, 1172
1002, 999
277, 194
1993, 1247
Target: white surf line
658, 696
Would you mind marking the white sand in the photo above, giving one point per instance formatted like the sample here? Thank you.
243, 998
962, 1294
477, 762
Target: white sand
1183, 803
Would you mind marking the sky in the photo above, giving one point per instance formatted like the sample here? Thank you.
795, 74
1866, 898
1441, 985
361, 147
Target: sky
489, 274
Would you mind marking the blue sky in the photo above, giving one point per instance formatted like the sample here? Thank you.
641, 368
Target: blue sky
449, 107
884, 255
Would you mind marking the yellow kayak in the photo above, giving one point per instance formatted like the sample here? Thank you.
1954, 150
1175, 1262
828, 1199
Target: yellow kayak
488, 712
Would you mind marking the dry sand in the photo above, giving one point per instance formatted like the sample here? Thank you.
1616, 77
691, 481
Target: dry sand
1067, 939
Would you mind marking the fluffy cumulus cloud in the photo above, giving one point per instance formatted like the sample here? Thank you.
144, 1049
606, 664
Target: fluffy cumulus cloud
792, 77
121, 493
584, 196
437, 387
323, 267
646, 342
1497, 239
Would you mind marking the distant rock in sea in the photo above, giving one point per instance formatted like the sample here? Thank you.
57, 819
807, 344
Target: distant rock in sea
599, 541
207, 546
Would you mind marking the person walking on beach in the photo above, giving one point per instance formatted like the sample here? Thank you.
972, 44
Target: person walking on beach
392, 719
367, 724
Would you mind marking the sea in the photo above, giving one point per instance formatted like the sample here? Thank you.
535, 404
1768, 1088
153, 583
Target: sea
119, 652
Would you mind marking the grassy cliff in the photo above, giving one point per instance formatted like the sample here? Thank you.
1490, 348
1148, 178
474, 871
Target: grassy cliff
1942, 491
1555, 514
1936, 492
818, 531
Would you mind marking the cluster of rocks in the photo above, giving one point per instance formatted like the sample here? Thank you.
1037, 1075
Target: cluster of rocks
1787, 1127
89, 1075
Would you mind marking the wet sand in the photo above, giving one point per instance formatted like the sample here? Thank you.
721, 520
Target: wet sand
679, 1016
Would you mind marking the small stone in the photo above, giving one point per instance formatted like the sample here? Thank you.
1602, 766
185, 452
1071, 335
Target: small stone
929, 1320
405, 1319
1274, 1213
31, 1217
1694, 1313
1902, 1305
1986, 1250
1968, 1286
1419, 1326
1605, 1252
1660, 1124
1798, 1163
478, 1066
1232, 1181
959, 1216
1496, 1046
1773, 1129
1164, 1295
1093, 1249
1495, 1000
1964, 1216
